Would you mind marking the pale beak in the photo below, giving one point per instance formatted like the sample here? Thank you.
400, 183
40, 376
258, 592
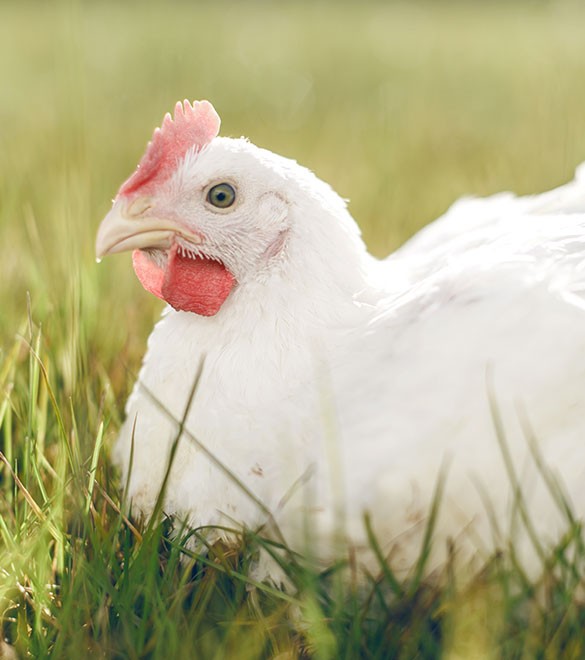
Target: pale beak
123, 229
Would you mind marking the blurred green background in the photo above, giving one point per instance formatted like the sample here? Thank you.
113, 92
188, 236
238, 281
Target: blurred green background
401, 107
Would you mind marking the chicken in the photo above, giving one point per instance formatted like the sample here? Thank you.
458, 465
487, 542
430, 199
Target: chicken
331, 385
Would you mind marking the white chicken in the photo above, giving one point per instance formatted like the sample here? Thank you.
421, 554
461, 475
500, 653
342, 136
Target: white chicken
335, 385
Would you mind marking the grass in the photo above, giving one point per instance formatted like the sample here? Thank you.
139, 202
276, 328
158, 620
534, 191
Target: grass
402, 108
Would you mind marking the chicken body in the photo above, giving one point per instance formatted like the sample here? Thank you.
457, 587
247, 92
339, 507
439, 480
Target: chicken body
334, 385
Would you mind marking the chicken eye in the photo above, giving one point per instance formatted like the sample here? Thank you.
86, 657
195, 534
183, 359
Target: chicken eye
222, 195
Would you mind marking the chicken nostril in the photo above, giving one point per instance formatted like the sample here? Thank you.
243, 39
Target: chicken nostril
138, 206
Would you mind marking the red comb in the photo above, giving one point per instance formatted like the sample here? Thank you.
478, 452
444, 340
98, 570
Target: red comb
193, 126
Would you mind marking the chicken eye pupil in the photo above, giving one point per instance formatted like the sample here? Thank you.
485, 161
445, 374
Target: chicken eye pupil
221, 195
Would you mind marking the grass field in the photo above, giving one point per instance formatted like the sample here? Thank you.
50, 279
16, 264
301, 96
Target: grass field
402, 108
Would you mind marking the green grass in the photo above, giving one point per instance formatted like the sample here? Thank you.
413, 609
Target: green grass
402, 108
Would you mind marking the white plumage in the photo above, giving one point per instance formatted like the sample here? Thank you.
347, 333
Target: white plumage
334, 384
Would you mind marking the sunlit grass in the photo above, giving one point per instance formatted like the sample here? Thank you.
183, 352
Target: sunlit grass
402, 108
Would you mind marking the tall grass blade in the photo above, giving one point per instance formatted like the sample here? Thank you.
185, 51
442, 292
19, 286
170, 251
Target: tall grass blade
93, 467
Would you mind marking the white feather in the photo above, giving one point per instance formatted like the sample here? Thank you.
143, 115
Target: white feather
335, 385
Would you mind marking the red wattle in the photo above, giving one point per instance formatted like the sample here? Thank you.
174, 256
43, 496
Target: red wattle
150, 275
196, 285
